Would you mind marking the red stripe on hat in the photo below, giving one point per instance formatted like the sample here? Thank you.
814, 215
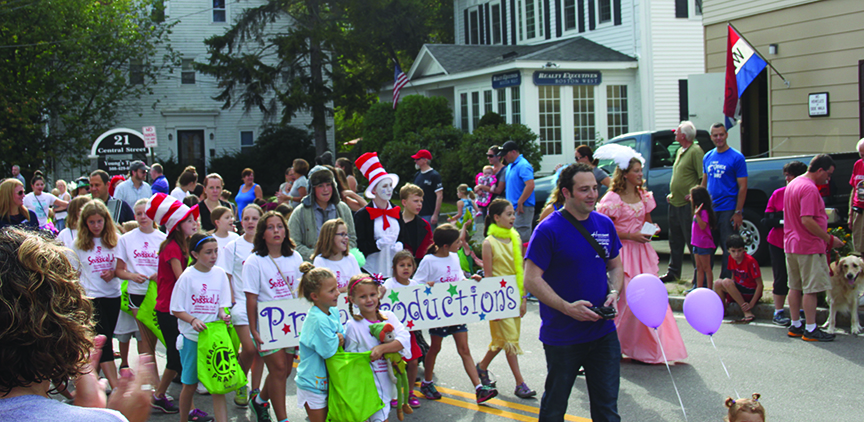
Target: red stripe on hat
363, 158
155, 201
170, 212
373, 167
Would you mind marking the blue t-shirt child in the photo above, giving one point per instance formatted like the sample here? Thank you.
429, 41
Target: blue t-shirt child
722, 169
318, 342
575, 272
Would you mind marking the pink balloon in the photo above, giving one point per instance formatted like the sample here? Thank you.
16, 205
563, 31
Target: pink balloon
648, 299
704, 310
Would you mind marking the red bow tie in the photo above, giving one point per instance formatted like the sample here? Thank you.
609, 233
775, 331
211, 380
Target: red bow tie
378, 212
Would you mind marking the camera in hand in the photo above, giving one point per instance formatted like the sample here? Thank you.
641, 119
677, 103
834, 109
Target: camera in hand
605, 312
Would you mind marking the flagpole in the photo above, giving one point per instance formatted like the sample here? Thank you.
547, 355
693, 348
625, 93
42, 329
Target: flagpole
788, 85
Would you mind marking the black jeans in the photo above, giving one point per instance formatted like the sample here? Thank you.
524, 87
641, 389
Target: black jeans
168, 325
601, 360
722, 231
106, 310
778, 264
680, 226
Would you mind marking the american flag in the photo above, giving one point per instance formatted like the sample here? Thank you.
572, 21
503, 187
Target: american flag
400, 79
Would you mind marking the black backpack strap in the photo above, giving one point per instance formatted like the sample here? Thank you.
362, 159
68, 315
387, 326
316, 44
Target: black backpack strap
599, 249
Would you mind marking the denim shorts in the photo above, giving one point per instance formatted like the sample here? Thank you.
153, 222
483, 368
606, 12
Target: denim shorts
703, 251
446, 331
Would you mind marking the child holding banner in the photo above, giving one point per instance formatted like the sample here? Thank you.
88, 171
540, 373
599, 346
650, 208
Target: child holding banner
231, 259
441, 265
270, 273
320, 338
138, 262
200, 295
403, 269
502, 255
363, 293
331, 252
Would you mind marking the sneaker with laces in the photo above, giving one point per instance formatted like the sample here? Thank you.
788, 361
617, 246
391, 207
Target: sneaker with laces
781, 319
202, 390
522, 391
429, 391
164, 404
484, 377
817, 335
485, 393
260, 411
198, 415
241, 397
412, 401
795, 331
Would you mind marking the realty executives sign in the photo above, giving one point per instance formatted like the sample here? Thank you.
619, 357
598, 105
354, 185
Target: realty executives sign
417, 307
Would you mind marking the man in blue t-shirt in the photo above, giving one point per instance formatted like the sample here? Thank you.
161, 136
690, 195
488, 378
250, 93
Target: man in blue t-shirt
724, 173
519, 187
568, 276
433, 190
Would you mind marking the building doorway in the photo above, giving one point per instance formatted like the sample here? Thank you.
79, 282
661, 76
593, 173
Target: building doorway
190, 147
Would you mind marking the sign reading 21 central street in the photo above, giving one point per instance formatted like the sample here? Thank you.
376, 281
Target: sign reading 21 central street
417, 307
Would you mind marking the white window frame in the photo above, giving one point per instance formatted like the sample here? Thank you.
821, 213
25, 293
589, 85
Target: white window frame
465, 111
522, 20
575, 28
502, 100
692, 10
193, 71
240, 138
501, 22
214, 10
611, 21
479, 11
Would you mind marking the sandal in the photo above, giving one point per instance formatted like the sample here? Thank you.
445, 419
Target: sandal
745, 320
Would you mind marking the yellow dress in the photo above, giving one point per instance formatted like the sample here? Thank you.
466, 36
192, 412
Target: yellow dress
505, 332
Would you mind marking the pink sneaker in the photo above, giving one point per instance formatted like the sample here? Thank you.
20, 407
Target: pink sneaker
394, 403
413, 402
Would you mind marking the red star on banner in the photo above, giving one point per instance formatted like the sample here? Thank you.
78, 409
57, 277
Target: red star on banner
346, 299
410, 324
503, 283
286, 328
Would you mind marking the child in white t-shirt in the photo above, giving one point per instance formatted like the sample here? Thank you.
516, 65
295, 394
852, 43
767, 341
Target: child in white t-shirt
441, 265
223, 219
403, 268
271, 272
231, 259
138, 262
200, 295
70, 232
331, 252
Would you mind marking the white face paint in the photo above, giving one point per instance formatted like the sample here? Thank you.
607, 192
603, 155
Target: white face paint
384, 190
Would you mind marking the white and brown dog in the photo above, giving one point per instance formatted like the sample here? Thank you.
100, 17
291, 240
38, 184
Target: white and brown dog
846, 286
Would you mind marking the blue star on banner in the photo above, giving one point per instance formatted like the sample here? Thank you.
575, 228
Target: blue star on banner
482, 317
428, 290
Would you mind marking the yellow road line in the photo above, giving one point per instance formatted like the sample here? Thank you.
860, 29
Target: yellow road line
498, 402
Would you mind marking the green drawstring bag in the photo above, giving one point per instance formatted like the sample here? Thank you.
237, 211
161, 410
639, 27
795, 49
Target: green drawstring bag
218, 367
235, 339
124, 298
147, 312
352, 394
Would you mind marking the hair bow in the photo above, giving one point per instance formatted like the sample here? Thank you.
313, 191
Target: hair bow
378, 278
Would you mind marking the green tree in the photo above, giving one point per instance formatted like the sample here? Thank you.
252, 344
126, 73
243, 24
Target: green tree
68, 68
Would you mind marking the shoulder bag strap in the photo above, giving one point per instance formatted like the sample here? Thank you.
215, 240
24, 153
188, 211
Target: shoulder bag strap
278, 269
599, 249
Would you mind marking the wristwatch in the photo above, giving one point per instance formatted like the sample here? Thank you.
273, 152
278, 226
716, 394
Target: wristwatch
739, 211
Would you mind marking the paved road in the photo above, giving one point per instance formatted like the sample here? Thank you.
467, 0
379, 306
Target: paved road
798, 381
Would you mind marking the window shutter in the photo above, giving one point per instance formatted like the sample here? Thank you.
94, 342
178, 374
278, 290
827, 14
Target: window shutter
616, 9
592, 20
504, 22
513, 21
466, 25
581, 14
558, 22
547, 19
488, 23
481, 23
683, 102
681, 9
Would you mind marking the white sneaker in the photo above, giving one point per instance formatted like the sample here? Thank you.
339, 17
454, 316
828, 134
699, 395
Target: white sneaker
202, 390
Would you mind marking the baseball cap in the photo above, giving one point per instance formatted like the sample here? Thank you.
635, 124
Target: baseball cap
507, 147
422, 154
138, 165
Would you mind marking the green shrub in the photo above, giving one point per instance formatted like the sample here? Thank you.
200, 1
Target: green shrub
491, 119
377, 127
416, 112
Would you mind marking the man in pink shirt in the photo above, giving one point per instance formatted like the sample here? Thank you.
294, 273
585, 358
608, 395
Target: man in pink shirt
856, 201
805, 240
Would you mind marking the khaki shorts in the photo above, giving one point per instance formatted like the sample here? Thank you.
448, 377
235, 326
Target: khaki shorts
808, 273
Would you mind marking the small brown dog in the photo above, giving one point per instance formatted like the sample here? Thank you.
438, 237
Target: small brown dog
846, 286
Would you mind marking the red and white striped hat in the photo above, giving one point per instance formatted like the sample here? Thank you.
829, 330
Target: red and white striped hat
167, 211
373, 171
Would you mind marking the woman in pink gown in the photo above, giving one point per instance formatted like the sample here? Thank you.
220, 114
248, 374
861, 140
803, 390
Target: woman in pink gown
629, 207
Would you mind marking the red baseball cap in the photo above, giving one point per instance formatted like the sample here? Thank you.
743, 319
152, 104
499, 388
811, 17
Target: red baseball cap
422, 154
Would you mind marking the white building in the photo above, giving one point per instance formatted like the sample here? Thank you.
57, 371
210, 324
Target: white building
574, 71
190, 124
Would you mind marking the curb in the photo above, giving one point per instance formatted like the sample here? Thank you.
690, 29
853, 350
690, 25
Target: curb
765, 312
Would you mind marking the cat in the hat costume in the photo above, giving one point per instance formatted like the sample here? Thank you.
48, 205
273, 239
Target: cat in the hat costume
378, 225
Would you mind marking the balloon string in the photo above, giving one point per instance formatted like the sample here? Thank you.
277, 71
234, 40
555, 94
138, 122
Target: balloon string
656, 334
724, 366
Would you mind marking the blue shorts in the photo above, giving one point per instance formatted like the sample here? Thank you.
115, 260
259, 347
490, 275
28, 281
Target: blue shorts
703, 251
446, 331
189, 360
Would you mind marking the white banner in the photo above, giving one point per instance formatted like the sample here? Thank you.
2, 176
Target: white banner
417, 307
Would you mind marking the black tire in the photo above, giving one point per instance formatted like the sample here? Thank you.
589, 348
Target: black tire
755, 237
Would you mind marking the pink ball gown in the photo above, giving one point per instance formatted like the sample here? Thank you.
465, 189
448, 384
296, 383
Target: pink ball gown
638, 341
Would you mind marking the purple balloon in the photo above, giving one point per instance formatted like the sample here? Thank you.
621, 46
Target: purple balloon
704, 310
648, 299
